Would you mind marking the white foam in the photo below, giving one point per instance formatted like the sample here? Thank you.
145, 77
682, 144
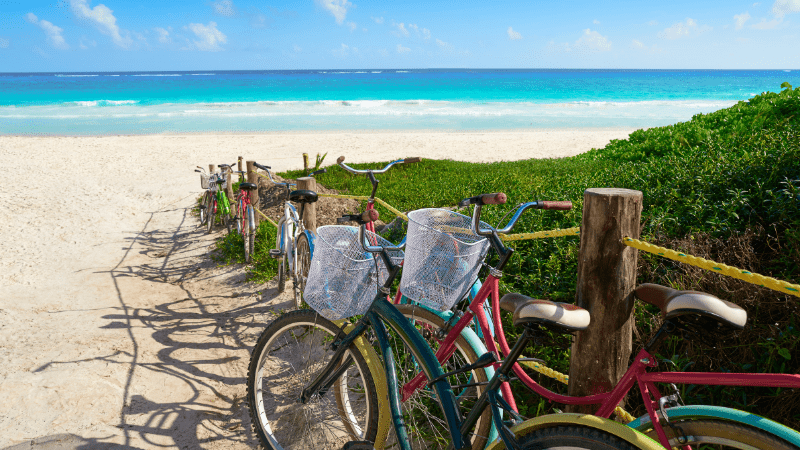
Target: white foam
156, 75
72, 75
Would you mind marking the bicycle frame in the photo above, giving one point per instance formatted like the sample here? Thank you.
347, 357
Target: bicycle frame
636, 373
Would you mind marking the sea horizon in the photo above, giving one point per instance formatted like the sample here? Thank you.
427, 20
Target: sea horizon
263, 101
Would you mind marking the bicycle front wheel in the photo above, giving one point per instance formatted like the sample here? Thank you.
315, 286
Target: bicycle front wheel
572, 437
248, 235
422, 414
710, 434
302, 264
211, 211
288, 355
202, 209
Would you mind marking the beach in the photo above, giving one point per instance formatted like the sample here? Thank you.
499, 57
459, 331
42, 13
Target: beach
119, 330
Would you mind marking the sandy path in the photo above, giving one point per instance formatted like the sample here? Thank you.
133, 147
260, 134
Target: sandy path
116, 329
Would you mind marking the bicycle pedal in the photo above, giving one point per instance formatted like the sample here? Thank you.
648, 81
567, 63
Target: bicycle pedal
275, 253
358, 445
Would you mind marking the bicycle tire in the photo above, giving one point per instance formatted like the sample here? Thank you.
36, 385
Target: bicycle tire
202, 209
248, 235
572, 437
288, 354
211, 211
721, 434
302, 263
280, 242
421, 412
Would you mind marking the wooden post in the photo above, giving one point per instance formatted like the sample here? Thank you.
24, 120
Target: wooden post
239, 164
253, 178
310, 213
305, 164
606, 279
211, 169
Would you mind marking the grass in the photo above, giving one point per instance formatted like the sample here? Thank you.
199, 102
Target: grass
724, 185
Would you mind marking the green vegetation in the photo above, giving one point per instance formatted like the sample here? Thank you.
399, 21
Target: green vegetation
724, 185
230, 249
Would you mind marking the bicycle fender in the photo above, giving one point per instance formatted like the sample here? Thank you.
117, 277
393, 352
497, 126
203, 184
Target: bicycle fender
619, 430
722, 413
379, 377
311, 239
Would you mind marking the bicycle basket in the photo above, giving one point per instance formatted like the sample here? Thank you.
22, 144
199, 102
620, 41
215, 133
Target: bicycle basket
343, 279
443, 257
204, 181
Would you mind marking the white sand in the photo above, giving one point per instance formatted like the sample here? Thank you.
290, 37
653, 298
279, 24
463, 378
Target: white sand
115, 326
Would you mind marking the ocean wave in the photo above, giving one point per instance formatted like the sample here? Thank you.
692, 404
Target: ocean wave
65, 75
103, 102
198, 74
156, 75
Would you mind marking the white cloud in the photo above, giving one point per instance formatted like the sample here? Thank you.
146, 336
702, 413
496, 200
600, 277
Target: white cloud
765, 24
224, 8
653, 23
4, 42
86, 43
52, 32
513, 35
383, 52
378, 20
683, 29
740, 19
401, 49
210, 37
401, 29
337, 8
103, 18
342, 51
352, 26
638, 45
782, 7
426, 33
163, 35
596, 22
592, 41
297, 48
444, 45
755, 5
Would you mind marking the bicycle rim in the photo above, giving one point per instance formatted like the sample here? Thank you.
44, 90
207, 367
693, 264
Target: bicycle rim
302, 265
710, 434
288, 355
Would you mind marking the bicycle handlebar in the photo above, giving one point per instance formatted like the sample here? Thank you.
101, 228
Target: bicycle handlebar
340, 162
500, 198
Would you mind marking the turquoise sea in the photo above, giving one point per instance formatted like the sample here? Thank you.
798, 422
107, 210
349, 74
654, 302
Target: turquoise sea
380, 99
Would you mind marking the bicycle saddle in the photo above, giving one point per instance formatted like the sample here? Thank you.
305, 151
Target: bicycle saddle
303, 196
247, 186
564, 316
674, 303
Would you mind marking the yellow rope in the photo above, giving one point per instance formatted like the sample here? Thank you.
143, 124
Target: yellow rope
744, 275
541, 234
394, 210
268, 219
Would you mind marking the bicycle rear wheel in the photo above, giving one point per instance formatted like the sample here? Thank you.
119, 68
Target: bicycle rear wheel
202, 209
422, 413
288, 355
211, 211
281, 241
710, 434
302, 264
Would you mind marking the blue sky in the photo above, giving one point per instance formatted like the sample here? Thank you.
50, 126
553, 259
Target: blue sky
122, 35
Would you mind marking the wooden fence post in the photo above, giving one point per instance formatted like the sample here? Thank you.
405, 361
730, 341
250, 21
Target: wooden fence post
239, 164
253, 178
211, 169
310, 213
606, 279
305, 164
229, 185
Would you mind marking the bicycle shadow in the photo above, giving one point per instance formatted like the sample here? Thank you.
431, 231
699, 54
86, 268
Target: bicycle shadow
189, 344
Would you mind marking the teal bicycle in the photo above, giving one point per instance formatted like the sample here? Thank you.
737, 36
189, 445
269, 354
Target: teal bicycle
310, 387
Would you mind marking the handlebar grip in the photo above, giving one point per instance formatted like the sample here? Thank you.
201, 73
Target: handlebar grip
261, 167
497, 198
340, 160
319, 172
414, 159
563, 206
370, 215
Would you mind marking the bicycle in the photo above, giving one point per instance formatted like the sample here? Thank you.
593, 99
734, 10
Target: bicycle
308, 357
294, 244
243, 214
687, 313
214, 204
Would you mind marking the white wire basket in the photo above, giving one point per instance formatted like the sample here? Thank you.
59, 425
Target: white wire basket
204, 181
443, 257
343, 279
